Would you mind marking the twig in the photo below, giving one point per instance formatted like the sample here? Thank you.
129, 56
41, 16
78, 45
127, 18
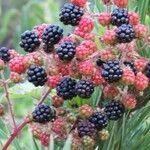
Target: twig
14, 134
44, 96
10, 106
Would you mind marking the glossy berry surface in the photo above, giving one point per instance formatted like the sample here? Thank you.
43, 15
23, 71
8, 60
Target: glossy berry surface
114, 110
125, 34
119, 16
52, 35
66, 51
4, 54
99, 119
43, 113
84, 88
29, 41
111, 71
66, 88
71, 14
37, 75
85, 128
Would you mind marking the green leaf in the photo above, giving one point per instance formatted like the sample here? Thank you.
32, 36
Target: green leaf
68, 143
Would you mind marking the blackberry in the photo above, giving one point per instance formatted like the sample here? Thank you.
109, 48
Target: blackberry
125, 34
85, 127
29, 41
114, 110
131, 65
84, 88
99, 119
43, 113
147, 70
119, 16
66, 88
66, 51
71, 14
4, 54
51, 36
37, 75
111, 71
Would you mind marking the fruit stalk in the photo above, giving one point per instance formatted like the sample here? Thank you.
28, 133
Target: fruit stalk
14, 134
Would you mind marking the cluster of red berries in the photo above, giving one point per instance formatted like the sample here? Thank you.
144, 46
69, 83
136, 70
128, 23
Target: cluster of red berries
74, 67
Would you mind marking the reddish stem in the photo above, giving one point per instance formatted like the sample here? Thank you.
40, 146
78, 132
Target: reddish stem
44, 96
14, 135
9, 104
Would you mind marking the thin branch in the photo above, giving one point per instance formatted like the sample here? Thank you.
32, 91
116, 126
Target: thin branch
44, 96
14, 134
10, 106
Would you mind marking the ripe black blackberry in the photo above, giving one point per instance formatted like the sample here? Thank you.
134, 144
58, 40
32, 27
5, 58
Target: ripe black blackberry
66, 88
37, 75
111, 71
147, 70
119, 16
114, 110
99, 119
4, 54
85, 127
125, 34
71, 14
66, 51
43, 114
84, 88
131, 65
51, 36
29, 41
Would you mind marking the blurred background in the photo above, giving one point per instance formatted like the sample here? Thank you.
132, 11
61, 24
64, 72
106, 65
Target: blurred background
20, 15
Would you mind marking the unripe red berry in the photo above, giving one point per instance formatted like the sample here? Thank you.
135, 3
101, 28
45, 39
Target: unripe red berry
80, 3
134, 18
36, 130
15, 77
110, 91
121, 3
57, 101
109, 38
13, 53
17, 65
39, 29
104, 19
86, 25
85, 111
45, 138
59, 127
140, 31
140, 64
85, 49
97, 78
141, 82
107, 54
129, 101
53, 81
2, 64
128, 76
86, 68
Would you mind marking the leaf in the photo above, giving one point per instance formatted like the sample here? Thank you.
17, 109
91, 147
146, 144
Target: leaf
51, 145
68, 143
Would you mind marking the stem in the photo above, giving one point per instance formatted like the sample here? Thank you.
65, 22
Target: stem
10, 106
14, 135
44, 96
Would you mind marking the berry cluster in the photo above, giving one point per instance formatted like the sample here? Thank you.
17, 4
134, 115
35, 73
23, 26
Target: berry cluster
75, 70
